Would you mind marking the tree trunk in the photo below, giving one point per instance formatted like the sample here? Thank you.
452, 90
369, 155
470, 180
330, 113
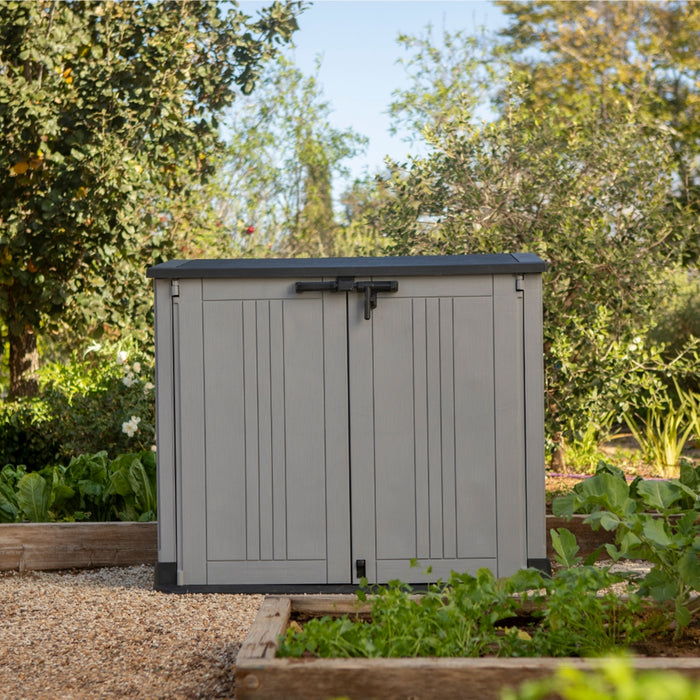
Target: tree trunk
24, 362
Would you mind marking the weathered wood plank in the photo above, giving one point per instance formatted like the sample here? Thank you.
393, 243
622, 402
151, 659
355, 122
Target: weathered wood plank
46, 546
271, 621
394, 679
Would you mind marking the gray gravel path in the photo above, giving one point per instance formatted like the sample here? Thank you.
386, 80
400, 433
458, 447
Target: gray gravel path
105, 633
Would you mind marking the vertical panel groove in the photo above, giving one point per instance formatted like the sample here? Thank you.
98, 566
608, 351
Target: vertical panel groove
374, 448
454, 433
440, 442
284, 430
325, 440
495, 421
412, 365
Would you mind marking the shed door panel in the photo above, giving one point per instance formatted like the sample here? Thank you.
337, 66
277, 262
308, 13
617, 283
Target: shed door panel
270, 416
422, 432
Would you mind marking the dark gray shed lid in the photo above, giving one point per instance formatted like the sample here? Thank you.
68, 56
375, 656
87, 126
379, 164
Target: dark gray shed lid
516, 263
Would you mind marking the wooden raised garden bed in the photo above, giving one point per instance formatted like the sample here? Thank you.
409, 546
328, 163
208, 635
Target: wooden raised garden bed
261, 676
26, 546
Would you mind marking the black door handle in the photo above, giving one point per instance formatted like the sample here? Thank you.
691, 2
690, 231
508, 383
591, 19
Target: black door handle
347, 284
370, 290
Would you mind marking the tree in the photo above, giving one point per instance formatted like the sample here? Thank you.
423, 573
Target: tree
586, 184
645, 54
104, 105
275, 185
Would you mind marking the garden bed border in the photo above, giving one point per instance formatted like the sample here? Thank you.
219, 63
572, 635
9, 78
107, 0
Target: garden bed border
261, 676
47, 546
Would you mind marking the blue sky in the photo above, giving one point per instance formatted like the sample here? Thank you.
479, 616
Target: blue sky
357, 43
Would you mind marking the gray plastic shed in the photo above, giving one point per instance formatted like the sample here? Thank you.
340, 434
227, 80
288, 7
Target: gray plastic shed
321, 420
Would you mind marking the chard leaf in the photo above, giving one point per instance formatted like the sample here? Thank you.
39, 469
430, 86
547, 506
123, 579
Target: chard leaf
33, 495
8, 510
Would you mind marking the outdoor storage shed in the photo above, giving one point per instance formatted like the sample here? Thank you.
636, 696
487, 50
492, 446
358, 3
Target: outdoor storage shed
323, 420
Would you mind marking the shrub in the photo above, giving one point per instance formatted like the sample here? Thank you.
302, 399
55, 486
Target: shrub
100, 400
27, 434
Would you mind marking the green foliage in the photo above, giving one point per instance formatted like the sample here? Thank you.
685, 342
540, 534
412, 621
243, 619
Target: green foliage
469, 616
583, 172
90, 488
653, 520
678, 318
9, 480
592, 55
34, 497
274, 186
611, 679
106, 107
582, 446
27, 433
101, 399
662, 428
134, 480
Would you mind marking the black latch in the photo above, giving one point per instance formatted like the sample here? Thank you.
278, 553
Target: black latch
361, 568
348, 284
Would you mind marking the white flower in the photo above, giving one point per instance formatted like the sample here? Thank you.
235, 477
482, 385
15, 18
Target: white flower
153, 448
136, 367
121, 357
634, 345
131, 426
95, 347
129, 379
148, 387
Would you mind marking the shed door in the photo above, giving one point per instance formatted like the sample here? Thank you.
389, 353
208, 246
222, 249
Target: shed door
264, 453
436, 424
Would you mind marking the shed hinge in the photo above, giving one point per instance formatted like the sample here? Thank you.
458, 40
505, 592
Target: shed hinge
520, 283
175, 288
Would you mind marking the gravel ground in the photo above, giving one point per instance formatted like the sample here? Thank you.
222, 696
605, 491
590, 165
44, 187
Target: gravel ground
105, 633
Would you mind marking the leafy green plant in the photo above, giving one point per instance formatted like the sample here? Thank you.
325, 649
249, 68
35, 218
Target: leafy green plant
653, 520
133, 478
34, 497
9, 479
472, 616
613, 679
593, 624
582, 446
102, 400
460, 619
91, 487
